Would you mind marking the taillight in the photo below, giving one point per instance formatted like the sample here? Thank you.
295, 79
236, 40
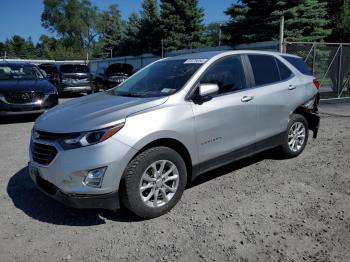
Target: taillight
316, 84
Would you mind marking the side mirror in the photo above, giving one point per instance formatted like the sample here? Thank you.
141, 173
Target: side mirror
205, 93
206, 90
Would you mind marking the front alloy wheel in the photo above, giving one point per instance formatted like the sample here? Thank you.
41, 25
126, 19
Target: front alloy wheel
153, 182
159, 183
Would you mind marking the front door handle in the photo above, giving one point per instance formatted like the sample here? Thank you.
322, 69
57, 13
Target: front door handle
291, 87
247, 98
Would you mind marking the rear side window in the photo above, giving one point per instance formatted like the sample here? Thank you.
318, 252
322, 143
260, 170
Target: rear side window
299, 64
265, 69
285, 72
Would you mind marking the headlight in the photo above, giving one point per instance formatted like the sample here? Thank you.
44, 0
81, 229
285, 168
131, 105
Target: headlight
89, 138
52, 92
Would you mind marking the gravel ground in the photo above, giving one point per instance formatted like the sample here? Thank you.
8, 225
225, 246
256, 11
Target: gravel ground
257, 209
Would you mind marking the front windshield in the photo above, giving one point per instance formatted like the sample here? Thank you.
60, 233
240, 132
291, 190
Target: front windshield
18, 72
162, 78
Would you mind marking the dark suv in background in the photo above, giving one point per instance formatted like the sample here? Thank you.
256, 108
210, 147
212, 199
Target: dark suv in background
113, 75
24, 89
69, 78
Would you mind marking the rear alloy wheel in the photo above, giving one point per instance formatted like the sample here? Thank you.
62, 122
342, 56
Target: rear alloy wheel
153, 182
296, 136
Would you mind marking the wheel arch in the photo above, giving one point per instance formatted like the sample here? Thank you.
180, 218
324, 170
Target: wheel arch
311, 117
175, 145
301, 110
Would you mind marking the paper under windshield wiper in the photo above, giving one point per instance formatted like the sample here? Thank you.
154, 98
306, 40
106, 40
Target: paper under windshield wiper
129, 94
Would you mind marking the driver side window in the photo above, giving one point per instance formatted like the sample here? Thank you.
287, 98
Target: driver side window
228, 74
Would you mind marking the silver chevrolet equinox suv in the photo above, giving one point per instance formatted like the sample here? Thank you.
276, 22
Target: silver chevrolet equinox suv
141, 143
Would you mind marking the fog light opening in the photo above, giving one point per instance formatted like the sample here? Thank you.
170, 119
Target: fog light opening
94, 177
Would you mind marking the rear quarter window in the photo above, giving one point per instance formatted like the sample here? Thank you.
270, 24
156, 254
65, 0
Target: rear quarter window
285, 72
299, 64
265, 69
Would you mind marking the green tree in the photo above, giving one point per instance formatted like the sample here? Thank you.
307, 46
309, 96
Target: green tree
53, 48
181, 24
131, 44
18, 47
2, 49
111, 30
46, 47
149, 33
255, 21
212, 34
249, 21
74, 21
339, 15
305, 21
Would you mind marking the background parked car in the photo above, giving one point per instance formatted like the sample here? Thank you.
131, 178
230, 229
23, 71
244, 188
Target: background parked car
113, 75
51, 71
24, 89
69, 78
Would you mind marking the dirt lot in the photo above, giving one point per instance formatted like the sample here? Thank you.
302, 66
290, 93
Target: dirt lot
258, 209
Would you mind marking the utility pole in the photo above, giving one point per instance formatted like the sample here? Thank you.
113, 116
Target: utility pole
220, 33
281, 34
5, 55
162, 47
111, 52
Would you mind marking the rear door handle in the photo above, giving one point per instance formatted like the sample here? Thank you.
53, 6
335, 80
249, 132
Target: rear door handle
291, 87
247, 98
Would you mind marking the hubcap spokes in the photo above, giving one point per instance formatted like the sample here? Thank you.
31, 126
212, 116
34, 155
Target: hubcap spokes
159, 183
296, 136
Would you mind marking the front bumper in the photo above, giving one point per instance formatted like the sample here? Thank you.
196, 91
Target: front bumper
63, 178
108, 201
312, 115
48, 102
314, 123
75, 89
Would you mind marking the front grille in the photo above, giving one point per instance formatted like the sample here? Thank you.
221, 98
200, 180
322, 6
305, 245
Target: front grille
43, 154
23, 97
81, 78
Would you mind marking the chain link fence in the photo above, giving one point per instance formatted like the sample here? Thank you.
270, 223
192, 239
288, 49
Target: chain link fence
329, 62
140, 61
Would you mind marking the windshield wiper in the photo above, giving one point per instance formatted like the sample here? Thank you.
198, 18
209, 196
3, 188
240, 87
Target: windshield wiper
129, 94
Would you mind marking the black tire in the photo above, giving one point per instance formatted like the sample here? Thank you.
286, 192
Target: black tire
285, 149
130, 184
92, 91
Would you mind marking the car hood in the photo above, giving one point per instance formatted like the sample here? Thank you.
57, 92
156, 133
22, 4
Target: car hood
40, 85
92, 112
